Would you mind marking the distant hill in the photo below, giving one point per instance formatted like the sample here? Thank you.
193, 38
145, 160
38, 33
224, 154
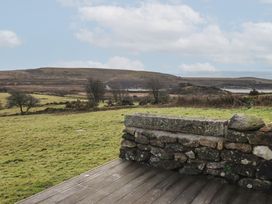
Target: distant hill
74, 79
235, 83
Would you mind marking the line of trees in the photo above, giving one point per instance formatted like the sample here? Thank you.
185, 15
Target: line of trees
96, 89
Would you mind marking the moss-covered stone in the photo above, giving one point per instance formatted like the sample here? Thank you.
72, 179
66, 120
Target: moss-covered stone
242, 122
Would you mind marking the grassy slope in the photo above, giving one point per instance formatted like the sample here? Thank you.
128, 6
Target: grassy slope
40, 151
44, 99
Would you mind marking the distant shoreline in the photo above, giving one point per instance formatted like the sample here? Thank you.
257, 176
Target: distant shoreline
246, 90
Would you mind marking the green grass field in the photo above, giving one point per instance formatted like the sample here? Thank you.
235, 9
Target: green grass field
39, 151
44, 99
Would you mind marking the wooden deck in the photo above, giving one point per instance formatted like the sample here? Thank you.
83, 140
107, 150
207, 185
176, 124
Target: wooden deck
127, 182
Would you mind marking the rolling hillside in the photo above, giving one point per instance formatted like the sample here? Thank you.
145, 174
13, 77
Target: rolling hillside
74, 79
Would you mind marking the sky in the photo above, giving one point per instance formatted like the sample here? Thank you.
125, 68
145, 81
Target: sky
206, 38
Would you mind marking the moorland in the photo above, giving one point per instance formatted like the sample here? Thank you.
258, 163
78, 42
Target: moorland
61, 136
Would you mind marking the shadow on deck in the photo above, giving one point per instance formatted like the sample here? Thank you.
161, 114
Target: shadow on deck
128, 182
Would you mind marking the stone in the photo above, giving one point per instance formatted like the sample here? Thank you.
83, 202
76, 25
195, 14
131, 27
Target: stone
205, 153
264, 171
216, 165
177, 124
129, 130
189, 142
128, 144
260, 138
149, 134
144, 147
167, 139
263, 152
190, 155
231, 177
267, 128
128, 136
180, 157
197, 163
193, 168
175, 147
190, 170
134, 154
239, 146
213, 172
242, 122
139, 138
255, 184
220, 145
142, 156
235, 136
165, 164
238, 157
128, 154
161, 153
243, 170
208, 142
157, 143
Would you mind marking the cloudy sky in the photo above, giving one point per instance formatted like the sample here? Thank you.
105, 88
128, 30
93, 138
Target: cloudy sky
182, 37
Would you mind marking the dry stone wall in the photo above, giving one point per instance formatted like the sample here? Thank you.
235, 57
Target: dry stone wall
238, 150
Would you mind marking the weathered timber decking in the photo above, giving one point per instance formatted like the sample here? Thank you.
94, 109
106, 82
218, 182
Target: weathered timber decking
128, 182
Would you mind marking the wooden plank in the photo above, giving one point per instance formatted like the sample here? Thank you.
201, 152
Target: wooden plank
159, 189
129, 182
95, 193
241, 197
191, 192
268, 199
69, 183
95, 180
207, 193
173, 192
257, 198
98, 195
224, 195
131, 197
133, 186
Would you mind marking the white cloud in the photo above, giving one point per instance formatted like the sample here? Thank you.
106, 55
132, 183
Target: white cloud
198, 67
116, 62
150, 26
175, 28
73, 3
266, 1
9, 39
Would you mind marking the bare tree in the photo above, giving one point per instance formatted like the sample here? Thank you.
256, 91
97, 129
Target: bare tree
21, 100
95, 90
155, 86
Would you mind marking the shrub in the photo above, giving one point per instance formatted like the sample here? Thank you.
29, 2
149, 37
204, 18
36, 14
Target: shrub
145, 101
77, 105
127, 101
254, 92
95, 90
163, 97
21, 100
263, 100
215, 101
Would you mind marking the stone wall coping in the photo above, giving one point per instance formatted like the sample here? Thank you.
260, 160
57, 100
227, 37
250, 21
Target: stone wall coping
177, 117
195, 126
158, 134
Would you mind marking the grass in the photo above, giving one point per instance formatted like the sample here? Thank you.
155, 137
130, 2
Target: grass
39, 151
44, 99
